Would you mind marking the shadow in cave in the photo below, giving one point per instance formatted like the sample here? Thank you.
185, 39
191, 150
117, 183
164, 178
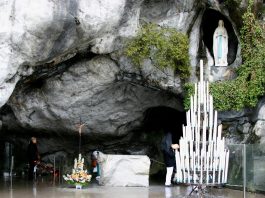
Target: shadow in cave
157, 121
163, 119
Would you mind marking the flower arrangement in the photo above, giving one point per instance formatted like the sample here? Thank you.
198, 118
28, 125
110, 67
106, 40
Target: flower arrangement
79, 176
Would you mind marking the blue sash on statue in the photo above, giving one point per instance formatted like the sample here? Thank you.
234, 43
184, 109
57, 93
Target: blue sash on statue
220, 50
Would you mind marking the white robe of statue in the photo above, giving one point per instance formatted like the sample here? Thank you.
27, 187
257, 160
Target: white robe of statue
220, 45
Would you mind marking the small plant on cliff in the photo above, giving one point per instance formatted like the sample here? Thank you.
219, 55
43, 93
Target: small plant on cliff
166, 47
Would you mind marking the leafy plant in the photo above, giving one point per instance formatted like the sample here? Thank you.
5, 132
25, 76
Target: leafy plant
188, 91
165, 46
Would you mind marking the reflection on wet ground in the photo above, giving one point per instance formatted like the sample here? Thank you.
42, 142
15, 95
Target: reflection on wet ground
44, 189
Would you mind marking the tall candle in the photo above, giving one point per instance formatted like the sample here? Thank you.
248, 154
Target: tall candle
207, 167
226, 165
219, 131
191, 109
214, 161
184, 131
188, 167
204, 97
219, 169
201, 161
178, 166
195, 98
188, 117
211, 112
207, 96
201, 70
193, 162
199, 94
215, 126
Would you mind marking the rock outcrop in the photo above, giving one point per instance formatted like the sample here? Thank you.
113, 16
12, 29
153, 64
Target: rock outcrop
34, 33
87, 90
259, 120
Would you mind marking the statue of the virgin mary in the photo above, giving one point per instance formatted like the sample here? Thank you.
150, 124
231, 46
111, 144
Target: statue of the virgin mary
220, 45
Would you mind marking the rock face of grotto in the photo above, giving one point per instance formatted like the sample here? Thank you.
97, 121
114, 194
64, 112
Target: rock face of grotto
62, 61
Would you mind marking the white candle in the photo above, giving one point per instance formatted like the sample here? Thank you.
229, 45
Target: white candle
188, 166
201, 161
179, 179
188, 117
207, 167
191, 148
219, 131
201, 70
183, 131
219, 169
191, 109
226, 165
75, 164
215, 126
189, 133
211, 155
199, 94
195, 97
204, 97
207, 96
194, 167
210, 134
211, 112
214, 161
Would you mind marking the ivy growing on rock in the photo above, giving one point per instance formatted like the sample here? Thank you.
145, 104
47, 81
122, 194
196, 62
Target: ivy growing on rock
165, 46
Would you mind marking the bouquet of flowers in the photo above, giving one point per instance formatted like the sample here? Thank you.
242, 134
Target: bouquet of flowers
79, 176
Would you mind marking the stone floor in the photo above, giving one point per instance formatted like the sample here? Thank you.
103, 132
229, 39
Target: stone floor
44, 189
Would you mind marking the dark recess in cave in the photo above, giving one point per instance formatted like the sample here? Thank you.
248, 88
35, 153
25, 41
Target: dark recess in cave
43, 72
165, 119
158, 120
209, 24
38, 84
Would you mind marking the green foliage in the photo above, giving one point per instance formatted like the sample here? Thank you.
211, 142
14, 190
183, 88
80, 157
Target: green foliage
249, 86
188, 91
166, 47
232, 3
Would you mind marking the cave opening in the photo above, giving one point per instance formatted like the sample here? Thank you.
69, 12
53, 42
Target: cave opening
163, 119
157, 121
209, 24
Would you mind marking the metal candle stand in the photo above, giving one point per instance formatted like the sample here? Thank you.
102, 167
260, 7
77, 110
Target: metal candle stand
202, 159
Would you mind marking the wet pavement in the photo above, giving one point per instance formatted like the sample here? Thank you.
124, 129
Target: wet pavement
44, 189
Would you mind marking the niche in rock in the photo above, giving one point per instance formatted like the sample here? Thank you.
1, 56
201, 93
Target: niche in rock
209, 24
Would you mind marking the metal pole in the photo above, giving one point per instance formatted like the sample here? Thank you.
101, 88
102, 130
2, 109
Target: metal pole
244, 170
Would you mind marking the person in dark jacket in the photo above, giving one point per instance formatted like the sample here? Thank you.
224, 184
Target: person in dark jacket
168, 149
33, 156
